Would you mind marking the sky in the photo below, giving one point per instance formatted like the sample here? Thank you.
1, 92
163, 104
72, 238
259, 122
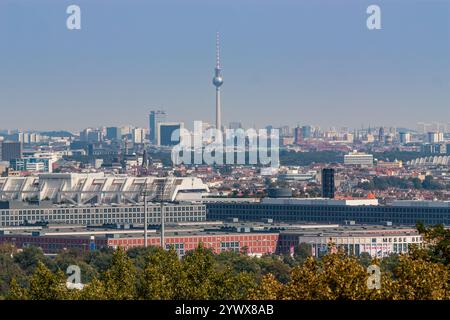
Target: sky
285, 62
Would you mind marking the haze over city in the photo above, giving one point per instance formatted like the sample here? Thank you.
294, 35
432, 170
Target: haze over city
284, 62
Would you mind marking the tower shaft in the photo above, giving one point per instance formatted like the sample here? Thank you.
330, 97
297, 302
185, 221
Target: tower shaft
218, 110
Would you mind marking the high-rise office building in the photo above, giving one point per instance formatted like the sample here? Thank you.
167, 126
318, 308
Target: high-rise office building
306, 132
11, 150
114, 133
405, 137
155, 117
388, 139
27, 137
84, 134
381, 135
328, 183
435, 137
138, 135
95, 136
167, 134
298, 135
285, 131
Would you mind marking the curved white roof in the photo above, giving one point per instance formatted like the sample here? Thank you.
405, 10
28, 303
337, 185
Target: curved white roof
98, 188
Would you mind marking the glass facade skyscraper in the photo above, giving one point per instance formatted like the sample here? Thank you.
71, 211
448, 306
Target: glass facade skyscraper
155, 118
328, 183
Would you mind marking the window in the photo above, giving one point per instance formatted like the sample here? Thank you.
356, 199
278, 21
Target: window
230, 245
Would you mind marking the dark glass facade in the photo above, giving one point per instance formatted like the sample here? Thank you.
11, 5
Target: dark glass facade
328, 213
166, 134
328, 183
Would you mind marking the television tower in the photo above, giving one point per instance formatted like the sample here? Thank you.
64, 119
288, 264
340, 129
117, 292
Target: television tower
218, 81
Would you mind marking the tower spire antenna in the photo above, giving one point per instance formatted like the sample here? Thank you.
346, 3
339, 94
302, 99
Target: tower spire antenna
217, 50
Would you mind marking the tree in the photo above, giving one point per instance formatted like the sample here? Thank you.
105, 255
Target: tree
43, 285
100, 259
76, 257
302, 252
336, 276
119, 281
417, 279
437, 242
226, 285
8, 269
365, 259
198, 266
163, 277
274, 265
29, 258
238, 262
430, 184
268, 289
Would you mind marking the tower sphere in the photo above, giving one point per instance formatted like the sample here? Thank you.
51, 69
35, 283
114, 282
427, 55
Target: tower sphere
218, 81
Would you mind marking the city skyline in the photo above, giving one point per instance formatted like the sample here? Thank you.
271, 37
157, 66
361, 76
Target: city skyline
118, 67
211, 158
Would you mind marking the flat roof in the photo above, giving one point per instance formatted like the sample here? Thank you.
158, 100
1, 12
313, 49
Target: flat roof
353, 231
216, 229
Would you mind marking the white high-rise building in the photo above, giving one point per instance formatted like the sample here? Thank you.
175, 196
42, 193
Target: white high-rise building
138, 135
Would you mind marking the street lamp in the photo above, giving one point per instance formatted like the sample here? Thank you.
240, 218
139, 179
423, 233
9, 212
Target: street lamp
145, 220
155, 198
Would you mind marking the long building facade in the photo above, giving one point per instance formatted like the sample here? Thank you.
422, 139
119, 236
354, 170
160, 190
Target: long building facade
100, 215
376, 241
252, 239
332, 211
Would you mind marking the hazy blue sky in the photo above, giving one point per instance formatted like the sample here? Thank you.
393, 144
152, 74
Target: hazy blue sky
284, 62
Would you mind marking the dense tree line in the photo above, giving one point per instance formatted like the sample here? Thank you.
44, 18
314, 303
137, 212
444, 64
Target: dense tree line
292, 158
383, 183
153, 273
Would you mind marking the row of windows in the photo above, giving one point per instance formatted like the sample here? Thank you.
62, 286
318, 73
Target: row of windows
99, 216
230, 246
109, 221
39, 217
179, 248
327, 216
104, 210
333, 209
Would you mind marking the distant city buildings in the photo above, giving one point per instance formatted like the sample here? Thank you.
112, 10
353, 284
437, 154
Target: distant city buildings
27, 137
235, 125
298, 135
435, 137
306, 132
32, 164
91, 135
405, 137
